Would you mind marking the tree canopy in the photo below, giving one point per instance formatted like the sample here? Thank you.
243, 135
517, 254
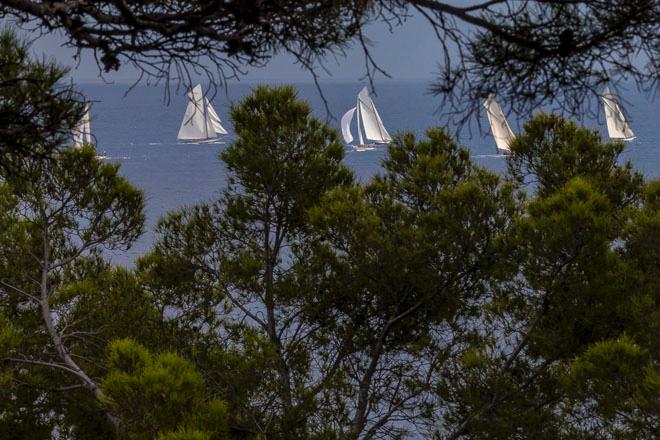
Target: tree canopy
37, 108
438, 299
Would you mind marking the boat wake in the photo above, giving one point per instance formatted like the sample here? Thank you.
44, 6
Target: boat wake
104, 157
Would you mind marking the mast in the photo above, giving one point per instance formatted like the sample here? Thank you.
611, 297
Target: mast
196, 120
88, 124
358, 118
206, 118
373, 125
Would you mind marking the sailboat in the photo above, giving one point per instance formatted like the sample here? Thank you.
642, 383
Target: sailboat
367, 119
201, 123
499, 126
82, 134
617, 126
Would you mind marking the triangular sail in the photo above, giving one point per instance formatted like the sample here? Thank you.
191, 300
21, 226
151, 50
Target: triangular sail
500, 127
87, 127
346, 125
78, 137
214, 119
193, 126
201, 121
82, 134
617, 126
371, 121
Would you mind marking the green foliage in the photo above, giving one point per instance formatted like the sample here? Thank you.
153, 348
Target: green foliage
642, 258
160, 397
552, 150
399, 262
185, 435
37, 108
83, 196
126, 356
10, 339
621, 383
566, 355
437, 296
405, 240
56, 289
282, 156
213, 259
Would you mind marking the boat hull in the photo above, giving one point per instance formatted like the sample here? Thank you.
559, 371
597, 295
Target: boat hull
366, 147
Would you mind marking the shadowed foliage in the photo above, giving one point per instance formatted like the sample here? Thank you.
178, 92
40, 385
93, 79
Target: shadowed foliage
437, 299
530, 52
37, 110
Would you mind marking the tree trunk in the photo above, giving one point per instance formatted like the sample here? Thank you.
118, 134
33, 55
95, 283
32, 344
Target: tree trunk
56, 338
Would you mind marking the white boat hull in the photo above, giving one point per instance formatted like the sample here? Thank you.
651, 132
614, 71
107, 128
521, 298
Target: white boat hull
364, 147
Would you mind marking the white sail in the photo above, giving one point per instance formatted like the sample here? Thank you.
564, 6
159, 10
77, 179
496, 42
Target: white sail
214, 118
617, 126
367, 119
346, 125
359, 125
200, 122
78, 137
371, 121
500, 127
82, 134
193, 126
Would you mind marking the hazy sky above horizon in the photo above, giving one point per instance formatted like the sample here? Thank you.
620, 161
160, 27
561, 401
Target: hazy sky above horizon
411, 51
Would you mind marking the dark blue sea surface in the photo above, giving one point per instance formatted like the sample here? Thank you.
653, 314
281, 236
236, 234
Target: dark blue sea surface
138, 129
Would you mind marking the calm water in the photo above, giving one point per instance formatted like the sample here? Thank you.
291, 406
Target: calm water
139, 131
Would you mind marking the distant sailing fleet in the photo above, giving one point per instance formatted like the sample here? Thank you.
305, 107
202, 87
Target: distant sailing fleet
201, 123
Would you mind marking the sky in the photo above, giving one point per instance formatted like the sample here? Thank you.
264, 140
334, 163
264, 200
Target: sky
410, 52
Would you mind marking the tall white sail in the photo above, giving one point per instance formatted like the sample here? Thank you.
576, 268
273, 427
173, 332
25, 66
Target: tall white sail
617, 126
358, 118
194, 124
371, 121
499, 126
346, 125
82, 134
200, 122
367, 119
214, 119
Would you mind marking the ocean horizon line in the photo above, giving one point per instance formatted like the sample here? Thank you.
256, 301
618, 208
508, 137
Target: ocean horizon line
261, 80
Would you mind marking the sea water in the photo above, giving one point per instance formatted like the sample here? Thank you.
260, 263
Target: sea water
138, 130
